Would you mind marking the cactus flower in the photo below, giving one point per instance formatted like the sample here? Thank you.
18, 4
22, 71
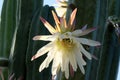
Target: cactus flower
65, 48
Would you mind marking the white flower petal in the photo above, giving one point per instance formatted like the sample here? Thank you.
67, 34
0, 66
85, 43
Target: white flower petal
81, 68
62, 64
86, 53
88, 42
47, 60
55, 68
45, 37
67, 69
65, 65
81, 32
73, 62
43, 65
43, 50
80, 58
80, 62
56, 64
77, 32
50, 57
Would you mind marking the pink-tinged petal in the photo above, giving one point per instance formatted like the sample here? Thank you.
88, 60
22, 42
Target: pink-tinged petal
71, 71
54, 77
12, 76
21, 78
42, 51
63, 23
84, 27
85, 32
48, 26
44, 37
1, 74
88, 42
57, 22
93, 56
81, 32
86, 53
72, 17
55, 17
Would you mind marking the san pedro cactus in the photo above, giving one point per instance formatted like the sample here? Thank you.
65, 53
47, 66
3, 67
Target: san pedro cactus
20, 22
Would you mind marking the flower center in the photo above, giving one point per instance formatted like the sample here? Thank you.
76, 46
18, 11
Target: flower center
66, 44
